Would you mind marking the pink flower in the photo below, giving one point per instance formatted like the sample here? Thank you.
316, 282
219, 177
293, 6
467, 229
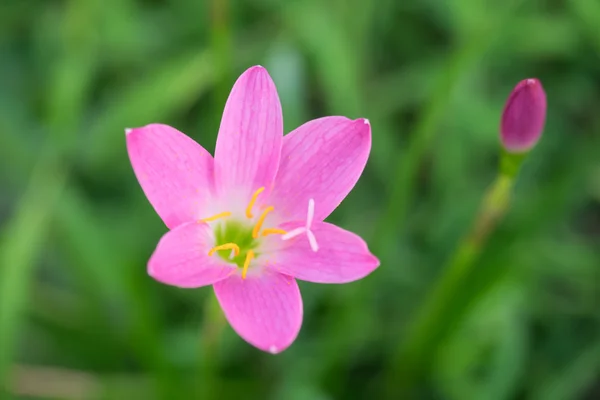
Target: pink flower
524, 116
250, 220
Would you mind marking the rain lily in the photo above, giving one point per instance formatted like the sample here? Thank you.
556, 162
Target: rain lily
524, 116
250, 220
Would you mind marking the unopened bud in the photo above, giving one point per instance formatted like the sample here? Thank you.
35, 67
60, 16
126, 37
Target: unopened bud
524, 116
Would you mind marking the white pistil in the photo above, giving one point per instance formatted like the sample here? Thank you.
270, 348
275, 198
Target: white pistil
312, 240
310, 214
293, 233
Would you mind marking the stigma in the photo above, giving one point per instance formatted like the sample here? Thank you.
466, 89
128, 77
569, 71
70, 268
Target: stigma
312, 240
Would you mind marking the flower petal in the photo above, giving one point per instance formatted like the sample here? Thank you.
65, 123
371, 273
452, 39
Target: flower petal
249, 142
264, 309
342, 256
181, 258
175, 172
322, 160
524, 116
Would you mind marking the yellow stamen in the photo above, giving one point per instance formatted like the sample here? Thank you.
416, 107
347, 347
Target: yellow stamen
249, 257
260, 221
273, 231
216, 216
226, 246
252, 201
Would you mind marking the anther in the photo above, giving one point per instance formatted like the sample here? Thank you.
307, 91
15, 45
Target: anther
273, 231
227, 246
252, 201
249, 257
260, 221
216, 216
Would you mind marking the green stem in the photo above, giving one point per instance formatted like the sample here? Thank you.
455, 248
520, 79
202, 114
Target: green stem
432, 322
214, 323
221, 48
20, 248
405, 172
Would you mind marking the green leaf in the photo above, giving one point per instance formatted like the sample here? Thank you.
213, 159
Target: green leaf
21, 244
167, 89
573, 379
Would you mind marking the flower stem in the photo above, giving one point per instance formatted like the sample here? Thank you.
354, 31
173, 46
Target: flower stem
212, 328
221, 49
21, 247
431, 322
407, 166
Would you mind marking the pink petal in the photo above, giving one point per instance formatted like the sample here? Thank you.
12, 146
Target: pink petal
264, 309
181, 258
524, 116
342, 256
249, 142
323, 160
175, 172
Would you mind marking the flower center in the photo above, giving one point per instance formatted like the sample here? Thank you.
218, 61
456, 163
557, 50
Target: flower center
233, 241
236, 242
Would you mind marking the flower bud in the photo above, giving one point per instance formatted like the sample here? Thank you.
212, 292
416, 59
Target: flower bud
523, 117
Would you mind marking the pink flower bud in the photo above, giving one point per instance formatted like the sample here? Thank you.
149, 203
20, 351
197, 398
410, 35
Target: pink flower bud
524, 116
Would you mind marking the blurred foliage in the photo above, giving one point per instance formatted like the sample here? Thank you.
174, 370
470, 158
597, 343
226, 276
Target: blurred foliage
80, 318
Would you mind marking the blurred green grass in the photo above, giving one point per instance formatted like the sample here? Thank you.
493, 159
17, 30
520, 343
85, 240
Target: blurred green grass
80, 318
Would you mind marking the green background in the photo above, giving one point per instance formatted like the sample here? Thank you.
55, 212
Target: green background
81, 319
